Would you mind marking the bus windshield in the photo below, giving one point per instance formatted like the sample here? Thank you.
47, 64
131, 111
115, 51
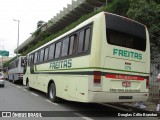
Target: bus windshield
22, 62
126, 33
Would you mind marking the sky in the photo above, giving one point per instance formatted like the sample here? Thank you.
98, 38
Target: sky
28, 12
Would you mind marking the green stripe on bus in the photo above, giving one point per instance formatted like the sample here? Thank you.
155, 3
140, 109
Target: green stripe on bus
92, 68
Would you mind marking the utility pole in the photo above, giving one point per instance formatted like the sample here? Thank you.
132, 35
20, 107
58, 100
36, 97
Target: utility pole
18, 35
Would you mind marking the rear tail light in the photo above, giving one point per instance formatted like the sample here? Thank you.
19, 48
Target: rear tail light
147, 83
97, 77
3, 78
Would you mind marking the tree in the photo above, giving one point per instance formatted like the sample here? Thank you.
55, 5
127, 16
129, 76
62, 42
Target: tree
119, 7
148, 13
40, 23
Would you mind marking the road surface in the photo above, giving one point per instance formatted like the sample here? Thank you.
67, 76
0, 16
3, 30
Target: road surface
15, 98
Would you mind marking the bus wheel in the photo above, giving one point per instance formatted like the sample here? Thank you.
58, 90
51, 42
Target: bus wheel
52, 92
13, 80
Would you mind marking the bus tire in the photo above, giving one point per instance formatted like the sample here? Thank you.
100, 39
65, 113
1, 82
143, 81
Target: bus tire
27, 84
52, 93
13, 80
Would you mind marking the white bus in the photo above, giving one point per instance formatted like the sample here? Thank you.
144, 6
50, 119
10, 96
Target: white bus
104, 59
16, 69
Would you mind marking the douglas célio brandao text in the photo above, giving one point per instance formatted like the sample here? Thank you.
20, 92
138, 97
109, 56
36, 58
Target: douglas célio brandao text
137, 115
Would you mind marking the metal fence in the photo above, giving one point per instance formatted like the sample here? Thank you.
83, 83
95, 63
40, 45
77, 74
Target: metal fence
154, 85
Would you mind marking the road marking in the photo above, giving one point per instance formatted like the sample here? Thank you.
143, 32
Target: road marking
34, 94
51, 102
18, 86
24, 89
108, 105
82, 116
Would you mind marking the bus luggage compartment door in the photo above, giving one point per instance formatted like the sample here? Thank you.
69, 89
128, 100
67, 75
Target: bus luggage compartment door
121, 72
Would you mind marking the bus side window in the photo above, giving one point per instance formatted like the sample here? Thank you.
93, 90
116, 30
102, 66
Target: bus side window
81, 41
46, 54
65, 47
38, 56
58, 50
13, 64
32, 58
16, 63
87, 39
35, 57
51, 51
41, 55
73, 44
28, 60
84, 40
22, 62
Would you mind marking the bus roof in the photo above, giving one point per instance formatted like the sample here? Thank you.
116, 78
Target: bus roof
88, 21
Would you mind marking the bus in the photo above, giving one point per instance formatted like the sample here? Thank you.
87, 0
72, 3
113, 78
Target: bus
106, 58
16, 69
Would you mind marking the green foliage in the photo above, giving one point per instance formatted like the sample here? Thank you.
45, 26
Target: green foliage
119, 7
7, 63
148, 13
37, 32
45, 36
144, 11
40, 23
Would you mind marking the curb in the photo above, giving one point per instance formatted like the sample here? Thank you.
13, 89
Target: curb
143, 110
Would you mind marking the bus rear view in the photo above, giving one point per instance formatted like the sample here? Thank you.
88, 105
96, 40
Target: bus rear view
125, 61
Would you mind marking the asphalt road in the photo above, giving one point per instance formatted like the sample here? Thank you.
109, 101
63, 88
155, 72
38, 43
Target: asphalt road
15, 98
